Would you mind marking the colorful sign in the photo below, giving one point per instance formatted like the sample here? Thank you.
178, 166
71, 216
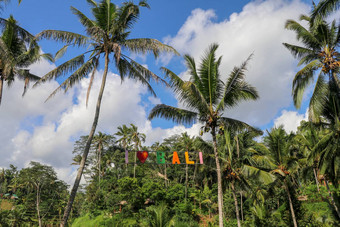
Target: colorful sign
167, 157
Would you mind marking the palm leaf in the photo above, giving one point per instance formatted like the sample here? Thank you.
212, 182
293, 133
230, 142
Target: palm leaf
63, 69
319, 98
302, 79
236, 89
236, 125
144, 45
324, 7
177, 115
79, 74
262, 176
64, 36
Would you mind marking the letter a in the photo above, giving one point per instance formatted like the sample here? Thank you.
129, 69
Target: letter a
175, 159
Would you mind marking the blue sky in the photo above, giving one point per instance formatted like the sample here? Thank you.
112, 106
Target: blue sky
45, 132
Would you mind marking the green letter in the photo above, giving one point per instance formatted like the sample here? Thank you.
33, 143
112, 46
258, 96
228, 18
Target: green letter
160, 157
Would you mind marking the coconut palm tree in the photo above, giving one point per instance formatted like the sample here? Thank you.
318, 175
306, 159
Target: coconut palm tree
320, 40
100, 141
308, 135
240, 164
123, 133
206, 96
107, 37
186, 143
279, 144
18, 51
137, 138
327, 154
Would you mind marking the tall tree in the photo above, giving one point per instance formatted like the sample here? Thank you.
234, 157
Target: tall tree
207, 96
107, 35
137, 138
101, 141
285, 163
46, 186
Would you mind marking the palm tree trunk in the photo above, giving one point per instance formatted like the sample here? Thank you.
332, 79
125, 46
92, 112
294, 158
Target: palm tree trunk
87, 147
291, 205
242, 218
1, 87
99, 160
219, 180
38, 207
316, 179
186, 182
332, 199
236, 204
134, 165
166, 177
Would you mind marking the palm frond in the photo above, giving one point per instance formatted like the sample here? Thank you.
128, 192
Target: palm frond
145, 45
302, 79
63, 69
143, 72
79, 74
60, 53
319, 98
258, 174
209, 75
324, 7
191, 65
302, 34
236, 89
69, 38
177, 115
231, 124
297, 51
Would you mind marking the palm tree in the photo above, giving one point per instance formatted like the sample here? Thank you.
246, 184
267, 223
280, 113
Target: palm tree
240, 164
327, 153
186, 143
137, 138
123, 133
307, 137
18, 50
100, 141
285, 163
107, 36
207, 96
318, 52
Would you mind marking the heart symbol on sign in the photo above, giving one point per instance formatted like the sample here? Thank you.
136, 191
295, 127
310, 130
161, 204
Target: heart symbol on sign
142, 156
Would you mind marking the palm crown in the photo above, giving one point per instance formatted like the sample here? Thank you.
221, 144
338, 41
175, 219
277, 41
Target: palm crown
107, 34
318, 52
205, 94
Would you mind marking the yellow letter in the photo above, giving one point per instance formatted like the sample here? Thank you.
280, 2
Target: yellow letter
187, 159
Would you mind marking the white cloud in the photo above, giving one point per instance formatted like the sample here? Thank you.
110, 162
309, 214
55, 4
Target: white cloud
258, 29
290, 120
45, 132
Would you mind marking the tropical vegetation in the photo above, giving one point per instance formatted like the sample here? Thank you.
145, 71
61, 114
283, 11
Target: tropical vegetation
228, 174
